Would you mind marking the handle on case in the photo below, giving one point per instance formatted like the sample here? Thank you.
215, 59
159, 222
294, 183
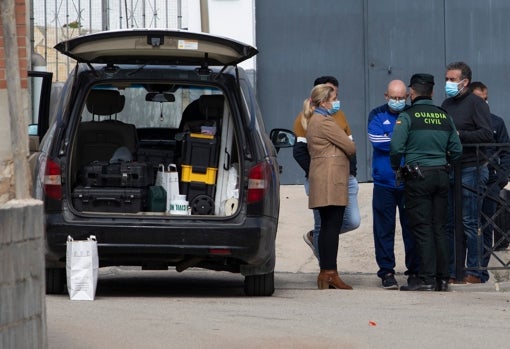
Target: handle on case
113, 200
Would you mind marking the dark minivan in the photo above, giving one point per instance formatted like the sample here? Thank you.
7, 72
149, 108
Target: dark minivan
157, 147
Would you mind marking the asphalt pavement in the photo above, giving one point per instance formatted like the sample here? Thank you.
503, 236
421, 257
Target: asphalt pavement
207, 309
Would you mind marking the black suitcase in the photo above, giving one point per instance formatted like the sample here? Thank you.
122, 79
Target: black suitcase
154, 157
109, 199
124, 174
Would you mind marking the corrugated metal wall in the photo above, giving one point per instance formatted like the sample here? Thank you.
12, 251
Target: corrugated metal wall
367, 43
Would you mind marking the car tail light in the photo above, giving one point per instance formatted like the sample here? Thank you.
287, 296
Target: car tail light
258, 182
220, 251
52, 180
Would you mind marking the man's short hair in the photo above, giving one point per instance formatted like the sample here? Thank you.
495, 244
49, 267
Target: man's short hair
477, 85
423, 89
326, 79
422, 84
465, 70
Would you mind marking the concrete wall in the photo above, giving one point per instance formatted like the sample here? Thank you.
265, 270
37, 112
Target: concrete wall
5, 132
22, 284
22, 274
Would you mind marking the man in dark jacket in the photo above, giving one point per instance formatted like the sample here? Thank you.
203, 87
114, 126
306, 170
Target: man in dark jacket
472, 119
499, 169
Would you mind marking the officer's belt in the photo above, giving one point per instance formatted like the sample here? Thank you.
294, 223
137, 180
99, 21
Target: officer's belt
431, 168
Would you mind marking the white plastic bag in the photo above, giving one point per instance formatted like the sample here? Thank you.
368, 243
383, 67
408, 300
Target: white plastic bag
82, 266
229, 205
169, 180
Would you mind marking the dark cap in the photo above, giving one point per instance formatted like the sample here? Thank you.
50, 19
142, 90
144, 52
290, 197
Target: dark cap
422, 79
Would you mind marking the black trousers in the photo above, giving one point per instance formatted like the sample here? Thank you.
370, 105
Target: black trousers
503, 223
331, 222
426, 207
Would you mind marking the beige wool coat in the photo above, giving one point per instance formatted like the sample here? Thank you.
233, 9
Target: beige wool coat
330, 149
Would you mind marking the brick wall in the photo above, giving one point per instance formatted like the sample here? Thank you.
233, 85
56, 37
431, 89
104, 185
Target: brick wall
23, 41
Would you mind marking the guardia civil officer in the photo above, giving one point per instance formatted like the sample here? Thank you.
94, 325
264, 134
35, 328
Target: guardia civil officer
426, 137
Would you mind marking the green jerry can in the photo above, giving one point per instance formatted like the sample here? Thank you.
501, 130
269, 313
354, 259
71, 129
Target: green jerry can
156, 199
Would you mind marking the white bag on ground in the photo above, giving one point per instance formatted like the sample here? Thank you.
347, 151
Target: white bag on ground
82, 265
169, 180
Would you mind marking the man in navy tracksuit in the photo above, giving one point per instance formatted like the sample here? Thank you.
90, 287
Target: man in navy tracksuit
387, 196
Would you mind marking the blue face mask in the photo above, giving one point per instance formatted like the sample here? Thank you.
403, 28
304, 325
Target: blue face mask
335, 106
452, 88
397, 105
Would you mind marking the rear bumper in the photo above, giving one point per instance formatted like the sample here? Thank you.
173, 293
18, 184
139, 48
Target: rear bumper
251, 243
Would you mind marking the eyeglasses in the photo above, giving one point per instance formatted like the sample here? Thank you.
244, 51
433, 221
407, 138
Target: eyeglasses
398, 98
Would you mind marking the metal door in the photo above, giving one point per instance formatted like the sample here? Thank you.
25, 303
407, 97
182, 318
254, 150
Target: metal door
299, 41
403, 38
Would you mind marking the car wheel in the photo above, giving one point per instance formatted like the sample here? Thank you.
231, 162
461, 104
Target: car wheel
55, 280
259, 285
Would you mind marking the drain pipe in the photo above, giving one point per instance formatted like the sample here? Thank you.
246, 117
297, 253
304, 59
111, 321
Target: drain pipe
204, 16
179, 14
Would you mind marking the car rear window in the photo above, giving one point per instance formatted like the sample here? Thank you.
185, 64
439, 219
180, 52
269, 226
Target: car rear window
164, 108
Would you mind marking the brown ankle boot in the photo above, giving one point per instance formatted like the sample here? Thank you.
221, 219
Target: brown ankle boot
330, 279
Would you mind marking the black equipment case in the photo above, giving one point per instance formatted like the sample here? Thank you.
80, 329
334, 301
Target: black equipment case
199, 169
122, 174
109, 199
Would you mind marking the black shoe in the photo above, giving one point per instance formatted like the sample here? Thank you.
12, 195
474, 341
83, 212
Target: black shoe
418, 286
389, 282
413, 279
442, 285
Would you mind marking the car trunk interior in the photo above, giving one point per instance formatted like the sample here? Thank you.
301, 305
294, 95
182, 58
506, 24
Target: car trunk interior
155, 150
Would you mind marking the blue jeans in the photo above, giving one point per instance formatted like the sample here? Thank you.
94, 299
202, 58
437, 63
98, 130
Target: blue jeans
384, 207
476, 179
352, 218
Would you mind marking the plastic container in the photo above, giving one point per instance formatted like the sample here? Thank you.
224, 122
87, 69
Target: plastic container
179, 205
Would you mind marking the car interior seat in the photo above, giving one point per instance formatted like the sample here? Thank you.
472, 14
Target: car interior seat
206, 110
99, 139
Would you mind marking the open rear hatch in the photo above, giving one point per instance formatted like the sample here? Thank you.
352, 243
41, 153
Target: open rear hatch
111, 122
148, 46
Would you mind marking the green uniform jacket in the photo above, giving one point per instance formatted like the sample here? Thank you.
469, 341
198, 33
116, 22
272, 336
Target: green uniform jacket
425, 135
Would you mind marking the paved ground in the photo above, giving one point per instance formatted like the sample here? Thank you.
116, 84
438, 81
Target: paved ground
205, 309
356, 251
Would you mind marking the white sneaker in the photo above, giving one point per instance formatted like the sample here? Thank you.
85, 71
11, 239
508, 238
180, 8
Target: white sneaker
309, 241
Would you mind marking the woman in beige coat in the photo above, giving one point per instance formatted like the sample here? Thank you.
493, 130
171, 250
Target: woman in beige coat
330, 149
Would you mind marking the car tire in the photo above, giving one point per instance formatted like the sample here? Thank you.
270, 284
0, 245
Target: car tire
259, 285
55, 280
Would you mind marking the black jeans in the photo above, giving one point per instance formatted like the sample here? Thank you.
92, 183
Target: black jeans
426, 207
331, 223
